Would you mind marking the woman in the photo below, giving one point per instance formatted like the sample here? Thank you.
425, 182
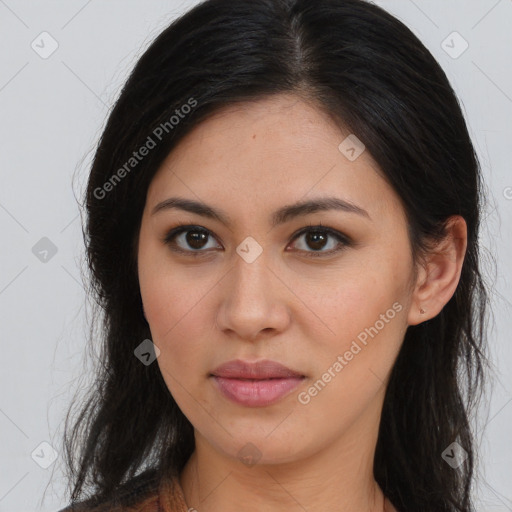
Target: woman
283, 218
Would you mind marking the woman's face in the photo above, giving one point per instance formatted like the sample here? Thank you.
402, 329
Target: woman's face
332, 310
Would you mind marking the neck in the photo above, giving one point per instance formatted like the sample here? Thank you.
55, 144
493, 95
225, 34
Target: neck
270, 490
339, 478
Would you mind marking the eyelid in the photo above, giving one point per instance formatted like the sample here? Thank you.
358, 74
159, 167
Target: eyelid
180, 228
343, 239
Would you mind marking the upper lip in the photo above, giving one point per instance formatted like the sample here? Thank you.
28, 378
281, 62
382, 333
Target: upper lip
265, 369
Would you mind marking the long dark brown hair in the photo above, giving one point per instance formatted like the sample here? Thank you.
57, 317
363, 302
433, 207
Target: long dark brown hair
372, 75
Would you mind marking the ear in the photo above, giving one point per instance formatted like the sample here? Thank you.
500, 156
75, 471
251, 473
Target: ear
439, 275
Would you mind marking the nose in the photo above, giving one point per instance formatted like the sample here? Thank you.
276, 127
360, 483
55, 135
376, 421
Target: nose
253, 301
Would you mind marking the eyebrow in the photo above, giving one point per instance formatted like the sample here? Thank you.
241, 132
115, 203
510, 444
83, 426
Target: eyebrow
280, 216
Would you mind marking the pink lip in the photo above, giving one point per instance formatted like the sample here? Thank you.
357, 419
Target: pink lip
255, 384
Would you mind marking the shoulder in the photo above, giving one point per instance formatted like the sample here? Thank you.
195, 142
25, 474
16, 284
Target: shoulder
139, 494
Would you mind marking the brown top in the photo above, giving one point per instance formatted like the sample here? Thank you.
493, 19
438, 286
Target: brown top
142, 494
171, 498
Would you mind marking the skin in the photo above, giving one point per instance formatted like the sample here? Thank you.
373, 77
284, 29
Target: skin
249, 160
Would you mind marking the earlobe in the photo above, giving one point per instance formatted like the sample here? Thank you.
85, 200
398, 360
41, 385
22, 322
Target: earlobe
439, 279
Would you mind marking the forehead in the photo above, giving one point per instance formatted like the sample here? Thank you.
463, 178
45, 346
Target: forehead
268, 153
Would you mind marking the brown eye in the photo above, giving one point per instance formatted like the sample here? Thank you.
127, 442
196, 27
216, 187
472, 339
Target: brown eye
196, 239
188, 239
318, 238
193, 241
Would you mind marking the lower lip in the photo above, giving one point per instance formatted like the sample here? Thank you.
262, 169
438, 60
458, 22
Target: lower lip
256, 393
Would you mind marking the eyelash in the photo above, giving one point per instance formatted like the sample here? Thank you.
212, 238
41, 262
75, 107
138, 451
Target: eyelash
183, 228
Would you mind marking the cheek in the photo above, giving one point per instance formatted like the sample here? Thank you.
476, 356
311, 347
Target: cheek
177, 331
175, 313
178, 315
362, 312
349, 304
172, 296
352, 366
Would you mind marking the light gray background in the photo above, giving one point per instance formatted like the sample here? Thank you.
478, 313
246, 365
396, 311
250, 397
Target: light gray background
52, 113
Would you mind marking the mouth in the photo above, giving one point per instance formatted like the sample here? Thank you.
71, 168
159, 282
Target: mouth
257, 384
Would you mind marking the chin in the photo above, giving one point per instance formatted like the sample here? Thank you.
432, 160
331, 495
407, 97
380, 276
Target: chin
253, 448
